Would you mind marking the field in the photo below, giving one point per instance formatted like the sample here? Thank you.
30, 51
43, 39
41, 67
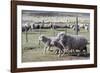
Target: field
32, 50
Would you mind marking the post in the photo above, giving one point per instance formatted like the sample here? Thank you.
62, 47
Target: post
41, 25
76, 26
88, 27
54, 28
26, 34
67, 26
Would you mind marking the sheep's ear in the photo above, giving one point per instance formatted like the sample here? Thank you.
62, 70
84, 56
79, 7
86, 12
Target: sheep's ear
39, 38
41, 35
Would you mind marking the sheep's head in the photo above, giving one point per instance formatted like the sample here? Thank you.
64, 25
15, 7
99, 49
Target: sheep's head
60, 34
40, 37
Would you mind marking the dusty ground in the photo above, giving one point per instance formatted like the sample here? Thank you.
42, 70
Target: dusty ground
33, 51
34, 55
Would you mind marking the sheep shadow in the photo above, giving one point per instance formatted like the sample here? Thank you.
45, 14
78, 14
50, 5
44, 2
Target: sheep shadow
29, 48
81, 55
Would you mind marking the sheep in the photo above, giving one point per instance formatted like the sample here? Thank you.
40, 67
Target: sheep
86, 27
76, 27
26, 27
73, 42
51, 42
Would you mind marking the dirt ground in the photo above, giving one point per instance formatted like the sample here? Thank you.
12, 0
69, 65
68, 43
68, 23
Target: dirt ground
32, 50
34, 55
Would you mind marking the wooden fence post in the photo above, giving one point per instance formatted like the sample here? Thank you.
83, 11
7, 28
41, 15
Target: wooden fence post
76, 26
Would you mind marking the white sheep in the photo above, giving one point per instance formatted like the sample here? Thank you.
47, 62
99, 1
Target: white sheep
51, 42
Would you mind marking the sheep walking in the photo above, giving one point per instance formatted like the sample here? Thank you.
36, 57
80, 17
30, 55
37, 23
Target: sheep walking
73, 42
51, 42
65, 42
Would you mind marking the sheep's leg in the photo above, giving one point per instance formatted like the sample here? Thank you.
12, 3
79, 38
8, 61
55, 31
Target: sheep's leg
63, 52
64, 48
74, 51
59, 55
48, 48
60, 52
57, 51
68, 51
85, 50
62, 45
80, 52
45, 49
71, 51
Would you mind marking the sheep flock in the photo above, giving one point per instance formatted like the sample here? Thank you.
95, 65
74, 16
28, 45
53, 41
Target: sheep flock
65, 43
